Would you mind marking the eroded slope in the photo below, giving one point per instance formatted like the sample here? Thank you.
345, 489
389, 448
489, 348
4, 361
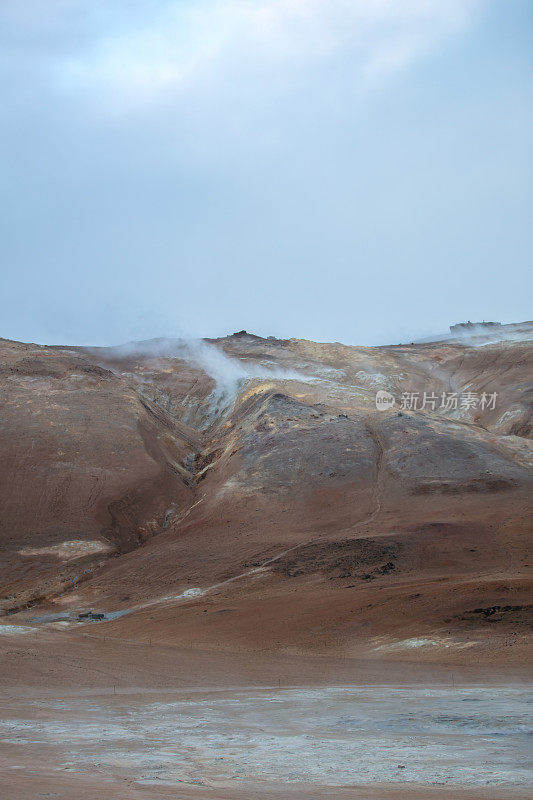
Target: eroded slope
283, 511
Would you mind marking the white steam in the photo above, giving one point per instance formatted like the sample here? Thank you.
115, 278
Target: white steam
228, 373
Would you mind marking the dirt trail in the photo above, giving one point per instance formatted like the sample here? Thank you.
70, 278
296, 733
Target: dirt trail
378, 482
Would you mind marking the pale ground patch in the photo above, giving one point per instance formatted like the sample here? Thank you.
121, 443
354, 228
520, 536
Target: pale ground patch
391, 645
68, 551
194, 592
10, 630
466, 737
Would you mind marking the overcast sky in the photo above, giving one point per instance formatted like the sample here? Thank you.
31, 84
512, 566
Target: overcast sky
339, 170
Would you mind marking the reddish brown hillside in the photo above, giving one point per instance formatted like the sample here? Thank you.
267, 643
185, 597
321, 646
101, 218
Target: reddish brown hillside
273, 508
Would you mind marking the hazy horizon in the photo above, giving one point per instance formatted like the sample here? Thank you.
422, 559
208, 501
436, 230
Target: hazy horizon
356, 172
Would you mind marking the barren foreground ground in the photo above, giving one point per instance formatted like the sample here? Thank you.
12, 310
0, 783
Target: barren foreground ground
398, 730
359, 741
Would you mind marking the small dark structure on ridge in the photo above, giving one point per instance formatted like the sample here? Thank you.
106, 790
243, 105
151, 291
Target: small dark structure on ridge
468, 326
91, 615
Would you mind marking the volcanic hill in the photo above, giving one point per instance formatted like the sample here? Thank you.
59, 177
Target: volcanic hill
246, 495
